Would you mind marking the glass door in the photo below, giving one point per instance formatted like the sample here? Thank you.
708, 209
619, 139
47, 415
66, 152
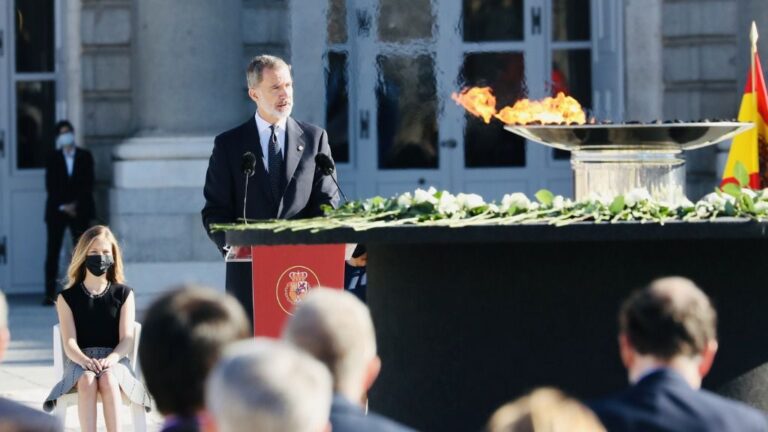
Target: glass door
399, 97
4, 160
31, 65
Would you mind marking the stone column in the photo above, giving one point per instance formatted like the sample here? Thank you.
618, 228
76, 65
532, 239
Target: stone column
188, 84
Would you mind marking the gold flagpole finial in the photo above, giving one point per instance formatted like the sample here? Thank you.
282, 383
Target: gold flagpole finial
753, 36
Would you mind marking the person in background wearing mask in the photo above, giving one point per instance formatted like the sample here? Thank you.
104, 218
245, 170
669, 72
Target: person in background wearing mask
97, 313
69, 184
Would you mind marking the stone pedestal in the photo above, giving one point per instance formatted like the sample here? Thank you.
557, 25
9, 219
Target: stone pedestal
188, 84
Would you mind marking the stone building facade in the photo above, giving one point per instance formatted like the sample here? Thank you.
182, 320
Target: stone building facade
148, 84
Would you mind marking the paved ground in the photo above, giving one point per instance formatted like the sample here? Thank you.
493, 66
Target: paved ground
26, 373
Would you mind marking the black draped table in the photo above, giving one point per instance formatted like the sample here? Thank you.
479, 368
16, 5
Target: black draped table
469, 318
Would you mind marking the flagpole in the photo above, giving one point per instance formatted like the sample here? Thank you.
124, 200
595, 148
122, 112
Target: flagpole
753, 39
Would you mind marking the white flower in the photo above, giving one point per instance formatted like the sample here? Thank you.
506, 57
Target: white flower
764, 194
470, 201
761, 207
686, 203
598, 198
558, 203
534, 206
702, 211
493, 208
749, 192
635, 196
405, 200
448, 204
517, 200
421, 196
718, 200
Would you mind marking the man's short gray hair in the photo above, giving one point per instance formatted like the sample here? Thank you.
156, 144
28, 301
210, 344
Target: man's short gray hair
3, 311
257, 65
336, 328
267, 385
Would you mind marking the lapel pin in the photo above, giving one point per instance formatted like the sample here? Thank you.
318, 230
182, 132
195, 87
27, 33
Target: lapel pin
300, 148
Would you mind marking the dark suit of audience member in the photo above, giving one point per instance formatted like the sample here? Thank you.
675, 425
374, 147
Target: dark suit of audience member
15, 417
348, 417
69, 176
298, 191
664, 401
667, 342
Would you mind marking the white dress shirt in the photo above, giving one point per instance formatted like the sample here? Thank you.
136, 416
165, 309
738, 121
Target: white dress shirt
265, 132
69, 159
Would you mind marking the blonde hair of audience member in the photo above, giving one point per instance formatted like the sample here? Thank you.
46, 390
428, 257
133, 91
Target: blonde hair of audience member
336, 328
76, 270
544, 410
669, 324
5, 332
265, 385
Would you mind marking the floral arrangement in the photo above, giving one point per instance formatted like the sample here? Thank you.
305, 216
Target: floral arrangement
441, 208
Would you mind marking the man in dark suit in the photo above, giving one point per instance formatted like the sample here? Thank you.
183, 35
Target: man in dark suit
69, 183
15, 417
336, 328
285, 183
668, 343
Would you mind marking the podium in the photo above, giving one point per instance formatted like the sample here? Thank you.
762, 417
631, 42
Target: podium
283, 275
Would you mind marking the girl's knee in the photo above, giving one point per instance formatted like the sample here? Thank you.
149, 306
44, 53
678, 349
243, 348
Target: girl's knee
86, 382
107, 381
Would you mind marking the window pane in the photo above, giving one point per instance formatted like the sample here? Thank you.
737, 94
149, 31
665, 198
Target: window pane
489, 145
337, 21
407, 112
570, 20
337, 106
493, 20
572, 75
34, 36
404, 20
35, 113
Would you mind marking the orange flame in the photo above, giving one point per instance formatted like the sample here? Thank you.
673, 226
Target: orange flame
478, 101
560, 109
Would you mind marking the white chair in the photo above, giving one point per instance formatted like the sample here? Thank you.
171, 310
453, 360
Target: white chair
67, 400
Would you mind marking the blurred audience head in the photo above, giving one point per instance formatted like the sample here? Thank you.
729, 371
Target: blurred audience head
544, 410
336, 328
5, 333
184, 333
270, 386
671, 323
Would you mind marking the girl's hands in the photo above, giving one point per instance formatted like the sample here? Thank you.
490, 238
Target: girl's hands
93, 365
109, 361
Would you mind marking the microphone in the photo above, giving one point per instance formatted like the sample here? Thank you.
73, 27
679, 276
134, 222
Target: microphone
248, 167
325, 165
248, 164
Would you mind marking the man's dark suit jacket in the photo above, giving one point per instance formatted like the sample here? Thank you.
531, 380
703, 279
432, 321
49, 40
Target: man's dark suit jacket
306, 189
348, 417
15, 417
64, 189
664, 401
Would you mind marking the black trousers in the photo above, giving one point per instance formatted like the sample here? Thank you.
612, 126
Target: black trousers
56, 228
239, 284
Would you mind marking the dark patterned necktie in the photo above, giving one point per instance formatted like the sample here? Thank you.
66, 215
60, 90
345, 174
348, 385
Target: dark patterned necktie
275, 161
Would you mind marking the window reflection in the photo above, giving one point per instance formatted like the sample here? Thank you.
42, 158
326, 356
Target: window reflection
570, 20
572, 75
34, 22
492, 20
337, 21
489, 145
406, 97
337, 106
404, 20
35, 111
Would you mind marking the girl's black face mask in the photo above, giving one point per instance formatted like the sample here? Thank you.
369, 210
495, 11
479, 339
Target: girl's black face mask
98, 264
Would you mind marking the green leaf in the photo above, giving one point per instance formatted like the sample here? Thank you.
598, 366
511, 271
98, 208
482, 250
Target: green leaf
741, 174
545, 197
730, 209
747, 203
617, 205
732, 190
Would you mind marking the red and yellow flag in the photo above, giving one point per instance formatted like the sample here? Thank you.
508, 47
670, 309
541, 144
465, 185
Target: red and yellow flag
751, 147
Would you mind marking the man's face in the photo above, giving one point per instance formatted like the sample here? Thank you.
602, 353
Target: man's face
274, 94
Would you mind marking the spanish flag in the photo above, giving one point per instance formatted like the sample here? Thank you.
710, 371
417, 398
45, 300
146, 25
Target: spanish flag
751, 147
